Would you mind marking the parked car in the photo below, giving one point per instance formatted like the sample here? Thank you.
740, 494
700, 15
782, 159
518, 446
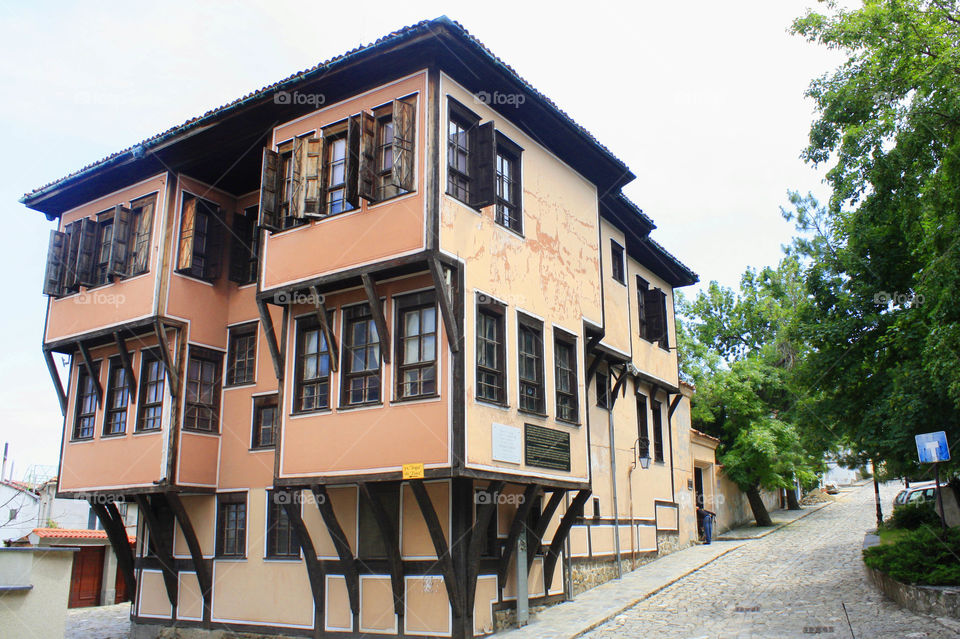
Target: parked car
831, 488
927, 491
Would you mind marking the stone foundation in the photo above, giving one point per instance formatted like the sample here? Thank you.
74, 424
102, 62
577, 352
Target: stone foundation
940, 601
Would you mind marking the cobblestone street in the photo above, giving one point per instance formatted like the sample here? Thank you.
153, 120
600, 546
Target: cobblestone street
792, 583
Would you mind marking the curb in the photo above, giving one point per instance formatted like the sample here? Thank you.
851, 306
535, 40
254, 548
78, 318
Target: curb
597, 623
777, 527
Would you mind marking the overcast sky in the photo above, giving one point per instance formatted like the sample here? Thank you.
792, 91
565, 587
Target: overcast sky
702, 100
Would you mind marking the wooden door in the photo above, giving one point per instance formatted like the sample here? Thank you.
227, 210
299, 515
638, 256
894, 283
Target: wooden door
87, 577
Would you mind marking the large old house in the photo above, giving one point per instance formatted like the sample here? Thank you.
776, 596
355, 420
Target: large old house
361, 343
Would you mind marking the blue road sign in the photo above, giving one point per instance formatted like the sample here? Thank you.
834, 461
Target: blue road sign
932, 447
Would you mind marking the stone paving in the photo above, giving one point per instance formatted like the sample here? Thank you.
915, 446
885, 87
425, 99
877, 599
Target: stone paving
99, 622
802, 580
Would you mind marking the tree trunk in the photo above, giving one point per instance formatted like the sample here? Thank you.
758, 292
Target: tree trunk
792, 503
760, 513
876, 494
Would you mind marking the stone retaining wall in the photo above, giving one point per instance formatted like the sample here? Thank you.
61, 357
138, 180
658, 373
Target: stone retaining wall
940, 601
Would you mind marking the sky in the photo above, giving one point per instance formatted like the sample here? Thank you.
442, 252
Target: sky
704, 101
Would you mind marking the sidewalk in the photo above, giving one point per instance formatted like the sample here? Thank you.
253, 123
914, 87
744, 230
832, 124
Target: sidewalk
780, 519
597, 605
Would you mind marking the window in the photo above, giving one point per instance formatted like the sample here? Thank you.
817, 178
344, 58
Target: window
657, 431
264, 421
286, 187
202, 410
313, 367
458, 157
652, 304
643, 430
603, 390
118, 396
242, 354
141, 227
616, 255
361, 357
565, 360
335, 172
86, 411
491, 361
281, 540
371, 541
245, 248
201, 229
104, 244
231, 525
416, 346
150, 399
471, 156
509, 212
385, 187
491, 543
530, 369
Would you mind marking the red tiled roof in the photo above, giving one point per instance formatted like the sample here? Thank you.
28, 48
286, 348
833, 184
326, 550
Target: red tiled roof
73, 533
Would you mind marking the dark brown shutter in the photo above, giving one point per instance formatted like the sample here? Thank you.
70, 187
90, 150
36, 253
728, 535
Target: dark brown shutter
269, 190
651, 307
310, 187
120, 243
213, 253
241, 250
53, 276
188, 223
642, 287
664, 337
86, 252
352, 169
404, 142
73, 250
141, 241
298, 161
482, 168
368, 157
324, 173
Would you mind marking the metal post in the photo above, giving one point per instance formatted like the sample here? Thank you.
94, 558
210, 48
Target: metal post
616, 508
936, 474
876, 492
523, 597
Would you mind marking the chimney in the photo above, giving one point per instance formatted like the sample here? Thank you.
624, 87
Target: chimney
3, 472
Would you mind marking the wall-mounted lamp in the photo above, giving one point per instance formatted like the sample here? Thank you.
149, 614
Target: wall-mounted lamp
643, 459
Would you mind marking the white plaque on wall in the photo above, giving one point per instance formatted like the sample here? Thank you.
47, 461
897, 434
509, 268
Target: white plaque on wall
507, 443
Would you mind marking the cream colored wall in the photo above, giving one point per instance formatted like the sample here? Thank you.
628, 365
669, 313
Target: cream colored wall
42, 610
647, 356
550, 273
618, 323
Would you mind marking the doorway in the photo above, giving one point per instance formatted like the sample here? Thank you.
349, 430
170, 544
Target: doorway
87, 577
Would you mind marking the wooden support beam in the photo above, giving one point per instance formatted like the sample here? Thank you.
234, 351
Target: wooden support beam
674, 404
57, 383
376, 309
271, 336
615, 393
341, 543
315, 571
445, 298
323, 317
168, 364
204, 578
439, 545
477, 538
88, 364
540, 528
592, 370
391, 542
161, 541
127, 364
556, 544
517, 527
113, 525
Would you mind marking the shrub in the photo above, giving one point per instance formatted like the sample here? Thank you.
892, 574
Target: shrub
913, 515
927, 556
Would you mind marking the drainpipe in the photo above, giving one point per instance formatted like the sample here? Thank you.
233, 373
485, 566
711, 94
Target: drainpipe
613, 471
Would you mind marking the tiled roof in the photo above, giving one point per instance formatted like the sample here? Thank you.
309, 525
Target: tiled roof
391, 38
17, 485
74, 533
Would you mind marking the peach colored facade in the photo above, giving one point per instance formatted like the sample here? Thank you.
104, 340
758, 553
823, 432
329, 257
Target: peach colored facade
391, 344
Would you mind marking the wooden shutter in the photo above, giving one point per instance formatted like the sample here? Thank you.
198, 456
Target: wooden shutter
655, 322
141, 242
310, 183
642, 287
213, 253
664, 337
120, 244
352, 169
269, 191
73, 250
298, 160
53, 276
86, 252
188, 222
241, 250
483, 172
367, 170
404, 142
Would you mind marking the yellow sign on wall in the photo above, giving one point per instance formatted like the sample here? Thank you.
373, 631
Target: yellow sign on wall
413, 471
